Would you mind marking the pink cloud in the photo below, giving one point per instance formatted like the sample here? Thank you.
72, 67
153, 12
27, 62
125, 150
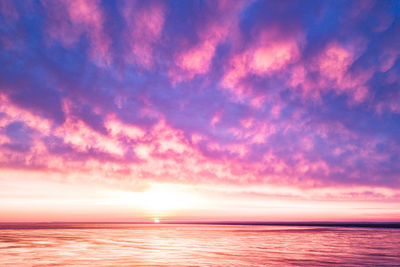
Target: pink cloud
165, 155
265, 57
216, 118
334, 61
70, 19
333, 65
272, 57
14, 113
197, 59
145, 26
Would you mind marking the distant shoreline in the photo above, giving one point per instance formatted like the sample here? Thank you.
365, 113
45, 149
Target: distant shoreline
97, 225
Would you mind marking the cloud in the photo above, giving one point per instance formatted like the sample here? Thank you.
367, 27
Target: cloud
69, 20
265, 58
195, 56
144, 29
291, 94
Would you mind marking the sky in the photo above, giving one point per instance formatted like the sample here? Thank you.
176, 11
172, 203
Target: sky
199, 110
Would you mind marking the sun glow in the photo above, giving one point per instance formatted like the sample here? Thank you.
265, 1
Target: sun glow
158, 200
161, 199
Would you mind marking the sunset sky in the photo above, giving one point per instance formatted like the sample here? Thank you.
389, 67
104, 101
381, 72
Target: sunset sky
199, 110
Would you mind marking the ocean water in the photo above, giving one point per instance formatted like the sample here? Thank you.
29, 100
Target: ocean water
197, 245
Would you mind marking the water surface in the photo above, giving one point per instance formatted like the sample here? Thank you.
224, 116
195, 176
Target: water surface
197, 245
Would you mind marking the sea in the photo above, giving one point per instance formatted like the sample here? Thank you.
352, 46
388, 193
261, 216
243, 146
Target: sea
196, 245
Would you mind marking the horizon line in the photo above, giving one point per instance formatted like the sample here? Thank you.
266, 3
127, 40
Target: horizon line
66, 225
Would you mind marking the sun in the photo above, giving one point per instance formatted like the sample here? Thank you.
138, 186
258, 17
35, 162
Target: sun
156, 220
